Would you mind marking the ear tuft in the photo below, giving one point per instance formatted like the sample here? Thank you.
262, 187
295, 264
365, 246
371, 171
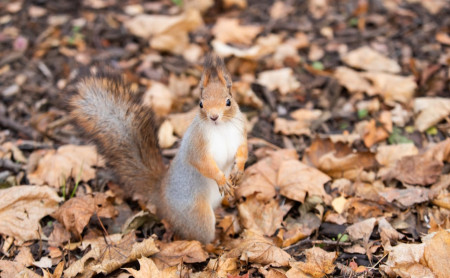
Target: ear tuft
214, 70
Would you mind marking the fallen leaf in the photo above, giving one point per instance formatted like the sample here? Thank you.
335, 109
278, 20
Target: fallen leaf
368, 59
24, 257
76, 212
222, 267
159, 97
110, 255
21, 209
230, 225
15, 269
298, 229
173, 253
289, 127
392, 87
296, 179
228, 30
428, 259
44, 262
378, 130
59, 235
282, 80
362, 230
415, 169
166, 33
406, 197
263, 46
255, 248
261, 178
387, 232
387, 155
318, 264
181, 121
265, 218
338, 204
318, 8
430, 111
352, 80
68, 161
280, 9
147, 268
337, 160
443, 38
165, 135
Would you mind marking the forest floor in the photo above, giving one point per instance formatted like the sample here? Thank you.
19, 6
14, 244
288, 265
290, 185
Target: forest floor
348, 109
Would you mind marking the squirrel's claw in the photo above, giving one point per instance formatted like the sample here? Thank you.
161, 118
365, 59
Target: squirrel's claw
227, 188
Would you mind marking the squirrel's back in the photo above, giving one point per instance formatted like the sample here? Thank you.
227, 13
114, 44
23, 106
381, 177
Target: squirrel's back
124, 131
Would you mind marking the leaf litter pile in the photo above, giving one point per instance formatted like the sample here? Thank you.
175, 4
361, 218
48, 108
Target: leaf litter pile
348, 108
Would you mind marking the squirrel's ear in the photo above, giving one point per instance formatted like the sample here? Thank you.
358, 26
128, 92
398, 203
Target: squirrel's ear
214, 68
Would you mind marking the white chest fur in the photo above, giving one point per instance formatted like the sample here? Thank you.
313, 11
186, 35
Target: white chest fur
224, 139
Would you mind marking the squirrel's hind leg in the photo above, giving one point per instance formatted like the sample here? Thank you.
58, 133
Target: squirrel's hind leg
200, 223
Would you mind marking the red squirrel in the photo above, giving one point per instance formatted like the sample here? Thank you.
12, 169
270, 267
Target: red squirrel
209, 162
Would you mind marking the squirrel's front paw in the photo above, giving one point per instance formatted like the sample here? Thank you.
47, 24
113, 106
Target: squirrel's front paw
236, 176
227, 188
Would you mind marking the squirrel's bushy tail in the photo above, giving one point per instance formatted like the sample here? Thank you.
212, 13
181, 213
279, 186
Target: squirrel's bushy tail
123, 130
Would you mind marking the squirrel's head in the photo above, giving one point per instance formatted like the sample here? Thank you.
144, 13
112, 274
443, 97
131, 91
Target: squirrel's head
216, 102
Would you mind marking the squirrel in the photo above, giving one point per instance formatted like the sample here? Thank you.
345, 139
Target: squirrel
209, 162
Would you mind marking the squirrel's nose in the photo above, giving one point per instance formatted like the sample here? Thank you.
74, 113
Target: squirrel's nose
214, 117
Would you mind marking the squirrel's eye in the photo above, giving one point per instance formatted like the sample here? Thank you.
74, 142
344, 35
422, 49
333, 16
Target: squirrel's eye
228, 102
201, 104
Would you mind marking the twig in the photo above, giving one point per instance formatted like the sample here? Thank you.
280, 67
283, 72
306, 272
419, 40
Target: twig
10, 165
8, 123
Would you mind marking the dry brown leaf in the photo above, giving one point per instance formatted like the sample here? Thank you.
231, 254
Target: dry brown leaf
24, 257
263, 217
434, 6
166, 138
147, 268
301, 125
318, 8
289, 127
428, 259
167, 33
282, 80
181, 121
242, 4
387, 232
337, 159
392, 87
362, 230
296, 179
222, 267
261, 178
387, 155
76, 212
159, 97
263, 46
430, 111
68, 161
15, 269
443, 38
230, 225
105, 258
406, 197
415, 169
173, 253
352, 80
200, 5
368, 59
280, 9
21, 209
378, 130
255, 248
298, 229
59, 235
318, 264
228, 30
